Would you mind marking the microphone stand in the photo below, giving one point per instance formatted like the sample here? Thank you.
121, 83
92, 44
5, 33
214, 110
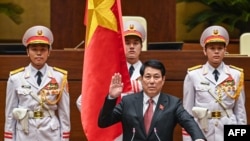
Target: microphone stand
77, 46
133, 134
156, 134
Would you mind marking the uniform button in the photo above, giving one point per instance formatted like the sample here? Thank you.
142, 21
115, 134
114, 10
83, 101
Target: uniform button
216, 123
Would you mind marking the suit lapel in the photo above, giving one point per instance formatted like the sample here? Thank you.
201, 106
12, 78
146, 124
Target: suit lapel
160, 107
138, 104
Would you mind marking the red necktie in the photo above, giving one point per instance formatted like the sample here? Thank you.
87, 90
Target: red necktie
148, 115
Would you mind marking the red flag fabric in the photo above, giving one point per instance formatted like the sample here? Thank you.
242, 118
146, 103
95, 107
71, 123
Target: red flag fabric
104, 55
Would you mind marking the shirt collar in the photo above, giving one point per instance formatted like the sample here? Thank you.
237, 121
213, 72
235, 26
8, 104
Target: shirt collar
135, 64
146, 98
42, 70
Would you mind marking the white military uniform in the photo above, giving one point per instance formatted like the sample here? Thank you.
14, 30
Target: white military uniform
135, 78
214, 103
37, 113
135, 28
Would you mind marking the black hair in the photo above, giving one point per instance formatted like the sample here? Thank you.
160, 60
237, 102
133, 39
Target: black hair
156, 64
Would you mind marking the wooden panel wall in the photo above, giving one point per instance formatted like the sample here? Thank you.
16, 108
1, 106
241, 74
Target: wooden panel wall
232, 48
67, 23
68, 28
72, 61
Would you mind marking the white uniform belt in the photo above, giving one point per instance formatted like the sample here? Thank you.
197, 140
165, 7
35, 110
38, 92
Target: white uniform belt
40, 114
220, 113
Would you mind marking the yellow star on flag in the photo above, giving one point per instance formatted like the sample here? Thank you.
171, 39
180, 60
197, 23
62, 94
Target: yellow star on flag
99, 13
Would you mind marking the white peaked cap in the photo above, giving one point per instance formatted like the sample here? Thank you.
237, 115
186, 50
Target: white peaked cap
214, 34
134, 28
38, 35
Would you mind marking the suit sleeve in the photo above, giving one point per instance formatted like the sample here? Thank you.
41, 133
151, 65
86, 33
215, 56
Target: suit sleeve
110, 113
188, 123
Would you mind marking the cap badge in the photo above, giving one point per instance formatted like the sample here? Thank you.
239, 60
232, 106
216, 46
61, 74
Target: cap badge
131, 27
39, 32
216, 32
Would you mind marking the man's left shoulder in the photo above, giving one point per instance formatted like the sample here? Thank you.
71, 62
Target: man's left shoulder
60, 70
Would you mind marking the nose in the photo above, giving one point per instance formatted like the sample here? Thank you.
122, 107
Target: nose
131, 45
38, 52
217, 50
151, 80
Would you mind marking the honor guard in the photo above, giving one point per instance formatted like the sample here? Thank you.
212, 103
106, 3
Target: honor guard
214, 92
135, 35
37, 98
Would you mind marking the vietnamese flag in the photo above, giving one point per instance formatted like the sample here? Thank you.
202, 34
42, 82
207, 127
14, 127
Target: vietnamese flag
104, 56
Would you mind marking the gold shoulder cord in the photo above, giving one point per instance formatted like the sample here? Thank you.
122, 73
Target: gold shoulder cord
240, 85
64, 81
16, 71
194, 68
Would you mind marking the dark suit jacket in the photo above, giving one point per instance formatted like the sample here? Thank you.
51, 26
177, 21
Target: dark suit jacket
168, 112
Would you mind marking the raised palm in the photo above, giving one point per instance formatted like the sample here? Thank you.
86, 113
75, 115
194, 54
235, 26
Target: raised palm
116, 85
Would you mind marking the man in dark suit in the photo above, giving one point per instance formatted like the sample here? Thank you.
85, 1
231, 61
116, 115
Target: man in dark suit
143, 120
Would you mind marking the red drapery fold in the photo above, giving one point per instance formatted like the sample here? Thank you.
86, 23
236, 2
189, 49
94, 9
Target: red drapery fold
103, 56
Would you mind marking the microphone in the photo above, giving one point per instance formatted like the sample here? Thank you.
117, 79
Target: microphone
133, 134
155, 131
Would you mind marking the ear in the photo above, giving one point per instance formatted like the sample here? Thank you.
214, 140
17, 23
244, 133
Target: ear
49, 52
163, 78
204, 51
27, 51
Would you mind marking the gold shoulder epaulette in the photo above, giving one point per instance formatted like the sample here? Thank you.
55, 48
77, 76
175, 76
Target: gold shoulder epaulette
237, 68
194, 68
61, 70
16, 71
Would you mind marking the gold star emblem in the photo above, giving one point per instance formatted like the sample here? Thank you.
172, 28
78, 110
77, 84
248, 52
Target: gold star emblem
100, 14
131, 27
215, 32
39, 32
